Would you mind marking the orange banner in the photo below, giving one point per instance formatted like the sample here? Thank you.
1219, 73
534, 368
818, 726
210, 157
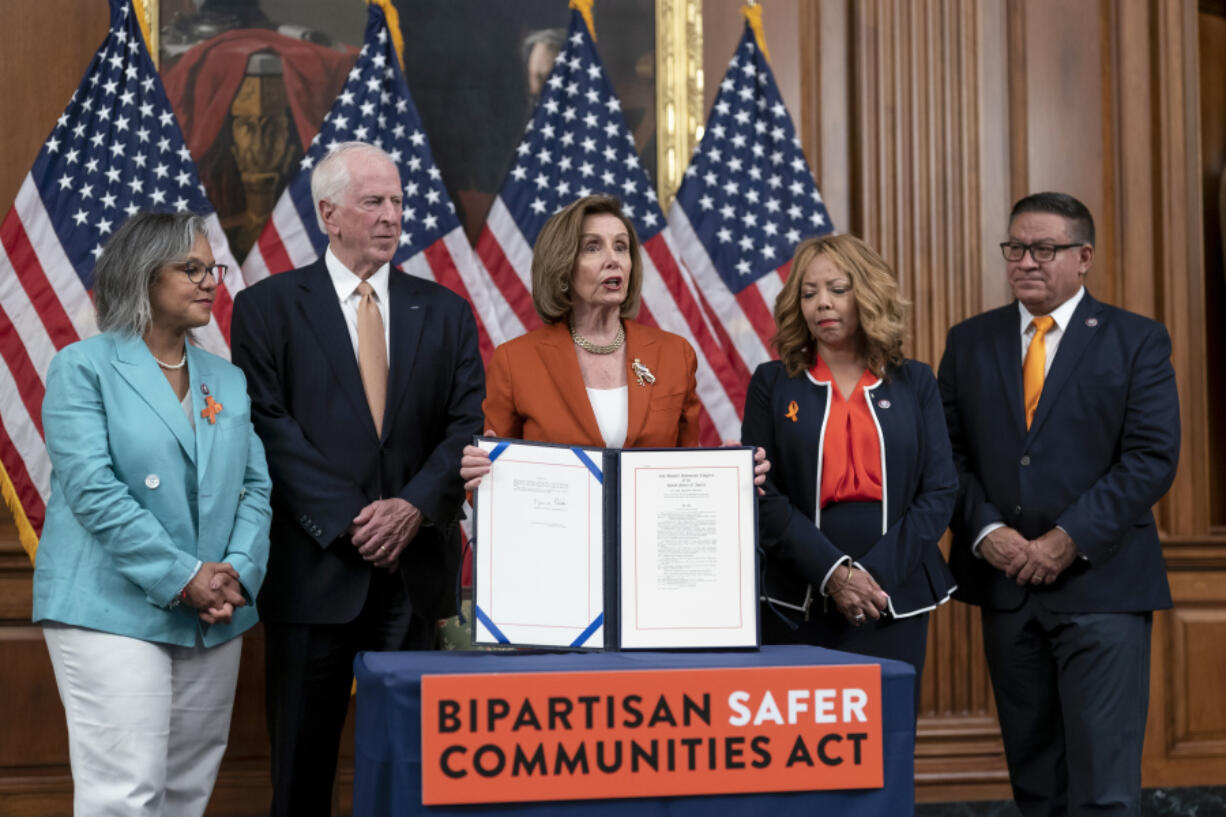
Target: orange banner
491, 738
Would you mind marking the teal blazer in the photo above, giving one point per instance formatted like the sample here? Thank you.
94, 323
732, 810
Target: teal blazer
137, 496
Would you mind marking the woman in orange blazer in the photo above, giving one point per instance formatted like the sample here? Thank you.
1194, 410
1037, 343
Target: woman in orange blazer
591, 375
535, 385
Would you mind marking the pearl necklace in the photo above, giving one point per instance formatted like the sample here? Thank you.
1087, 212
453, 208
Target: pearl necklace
172, 366
595, 348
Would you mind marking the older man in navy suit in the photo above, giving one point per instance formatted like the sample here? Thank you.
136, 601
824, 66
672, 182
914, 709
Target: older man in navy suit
1064, 420
365, 384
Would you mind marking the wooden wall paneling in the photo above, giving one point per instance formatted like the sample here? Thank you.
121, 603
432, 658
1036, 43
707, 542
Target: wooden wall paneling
34, 742
1066, 129
38, 82
997, 121
825, 119
1187, 724
1197, 712
917, 132
1211, 31
1133, 94
1178, 278
1186, 736
1019, 175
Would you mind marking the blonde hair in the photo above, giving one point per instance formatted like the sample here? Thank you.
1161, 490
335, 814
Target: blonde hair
557, 253
881, 309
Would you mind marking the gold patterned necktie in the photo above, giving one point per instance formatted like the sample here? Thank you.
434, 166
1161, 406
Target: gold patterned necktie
1036, 362
372, 354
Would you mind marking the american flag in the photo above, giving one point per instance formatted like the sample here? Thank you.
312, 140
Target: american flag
746, 201
115, 150
375, 106
577, 144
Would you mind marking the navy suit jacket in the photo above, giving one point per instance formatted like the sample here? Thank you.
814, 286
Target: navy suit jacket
1101, 450
920, 486
289, 336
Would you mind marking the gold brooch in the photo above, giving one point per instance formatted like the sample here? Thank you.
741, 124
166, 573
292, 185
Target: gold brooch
642, 373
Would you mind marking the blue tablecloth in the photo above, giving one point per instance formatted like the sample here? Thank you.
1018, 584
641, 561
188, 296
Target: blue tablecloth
387, 774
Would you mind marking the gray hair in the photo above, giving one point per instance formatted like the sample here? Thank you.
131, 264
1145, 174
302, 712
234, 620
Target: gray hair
330, 178
555, 38
130, 262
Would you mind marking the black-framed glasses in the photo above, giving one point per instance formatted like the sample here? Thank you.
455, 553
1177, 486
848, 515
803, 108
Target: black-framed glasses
195, 271
1041, 253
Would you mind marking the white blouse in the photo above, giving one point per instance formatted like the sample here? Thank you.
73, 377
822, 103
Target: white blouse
612, 410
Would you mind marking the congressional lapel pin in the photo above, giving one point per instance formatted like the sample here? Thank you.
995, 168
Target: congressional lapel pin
1091, 322
793, 412
211, 407
883, 403
642, 373
152, 482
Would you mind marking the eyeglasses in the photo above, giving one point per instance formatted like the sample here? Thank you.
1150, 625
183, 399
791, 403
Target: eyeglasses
195, 271
1041, 253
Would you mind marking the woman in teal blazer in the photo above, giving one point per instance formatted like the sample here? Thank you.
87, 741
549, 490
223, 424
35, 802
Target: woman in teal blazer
156, 536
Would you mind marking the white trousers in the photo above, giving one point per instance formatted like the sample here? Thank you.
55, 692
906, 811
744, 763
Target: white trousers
147, 723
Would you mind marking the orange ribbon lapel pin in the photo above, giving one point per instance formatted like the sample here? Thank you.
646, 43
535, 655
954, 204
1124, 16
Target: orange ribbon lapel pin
793, 411
211, 409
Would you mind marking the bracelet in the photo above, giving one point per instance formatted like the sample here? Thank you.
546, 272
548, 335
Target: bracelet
845, 581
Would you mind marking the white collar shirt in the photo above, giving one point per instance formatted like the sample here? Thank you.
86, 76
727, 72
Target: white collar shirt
1061, 315
346, 284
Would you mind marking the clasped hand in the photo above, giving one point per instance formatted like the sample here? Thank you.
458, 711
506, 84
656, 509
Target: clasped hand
215, 591
857, 594
383, 528
1037, 561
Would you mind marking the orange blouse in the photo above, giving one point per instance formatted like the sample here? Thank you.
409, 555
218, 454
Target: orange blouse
851, 451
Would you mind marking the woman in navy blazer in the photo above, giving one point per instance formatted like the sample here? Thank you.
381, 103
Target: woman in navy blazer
156, 536
861, 573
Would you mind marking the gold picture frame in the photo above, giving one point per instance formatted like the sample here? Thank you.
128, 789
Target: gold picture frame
679, 79
679, 87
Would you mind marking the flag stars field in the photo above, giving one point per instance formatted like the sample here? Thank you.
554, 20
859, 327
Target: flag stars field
746, 200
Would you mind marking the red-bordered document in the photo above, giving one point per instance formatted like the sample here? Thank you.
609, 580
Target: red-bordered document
688, 549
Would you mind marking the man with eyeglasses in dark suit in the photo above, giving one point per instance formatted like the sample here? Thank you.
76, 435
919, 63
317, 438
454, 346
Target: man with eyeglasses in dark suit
1064, 420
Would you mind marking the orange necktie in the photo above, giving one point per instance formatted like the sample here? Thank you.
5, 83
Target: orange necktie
1036, 362
372, 354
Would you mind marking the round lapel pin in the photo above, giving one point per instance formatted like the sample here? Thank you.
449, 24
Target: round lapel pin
885, 404
1091, 322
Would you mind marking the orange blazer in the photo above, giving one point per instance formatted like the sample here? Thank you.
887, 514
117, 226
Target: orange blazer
534, 390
